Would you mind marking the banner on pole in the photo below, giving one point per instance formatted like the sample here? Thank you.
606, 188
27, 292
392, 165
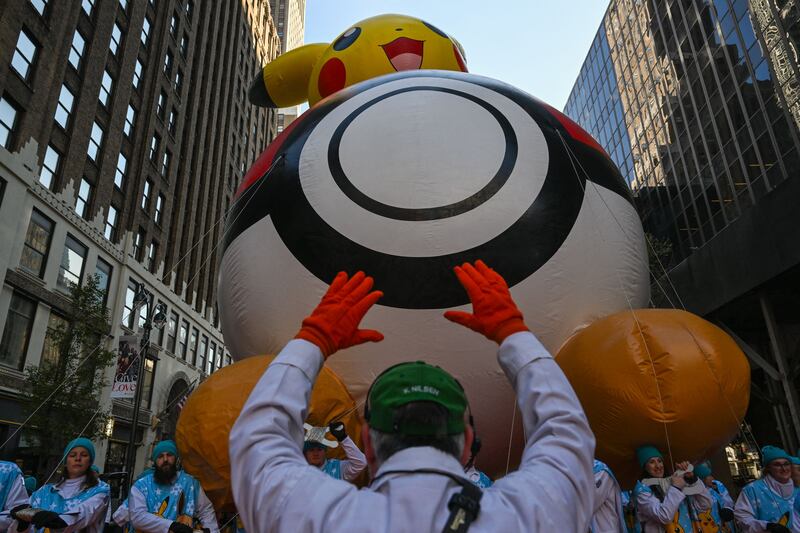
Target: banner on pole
127, 367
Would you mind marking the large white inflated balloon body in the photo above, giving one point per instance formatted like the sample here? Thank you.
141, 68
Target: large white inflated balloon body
404, 176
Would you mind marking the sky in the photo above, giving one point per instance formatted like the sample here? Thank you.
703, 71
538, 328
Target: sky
535, 45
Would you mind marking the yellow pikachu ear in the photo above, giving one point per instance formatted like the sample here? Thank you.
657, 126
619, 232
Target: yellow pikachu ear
283, 82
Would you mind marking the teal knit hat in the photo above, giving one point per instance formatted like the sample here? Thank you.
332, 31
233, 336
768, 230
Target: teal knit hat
645, 453
702, 470
771, 453
165, 446
31, 484
82, 442
796, 461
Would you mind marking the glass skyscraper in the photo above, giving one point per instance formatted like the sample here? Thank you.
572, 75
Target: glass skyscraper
698, 103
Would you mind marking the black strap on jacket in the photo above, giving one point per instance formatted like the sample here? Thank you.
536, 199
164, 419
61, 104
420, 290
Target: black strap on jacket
464, 506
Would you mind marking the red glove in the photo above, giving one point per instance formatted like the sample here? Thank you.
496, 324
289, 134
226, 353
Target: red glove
494, 313
333, 325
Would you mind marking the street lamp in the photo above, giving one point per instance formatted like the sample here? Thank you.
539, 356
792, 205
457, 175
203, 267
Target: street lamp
156, 318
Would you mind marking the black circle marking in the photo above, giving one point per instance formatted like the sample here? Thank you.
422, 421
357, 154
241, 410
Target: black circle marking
428, 213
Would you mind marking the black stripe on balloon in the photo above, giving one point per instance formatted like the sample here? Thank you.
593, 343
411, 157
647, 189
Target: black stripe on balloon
417, 282
429, 213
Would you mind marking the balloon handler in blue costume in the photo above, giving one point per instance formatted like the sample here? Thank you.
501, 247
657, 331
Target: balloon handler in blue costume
722, 510
169, 499
770, 503
608, 516
77, 502
13, 492
315, 446
670, 504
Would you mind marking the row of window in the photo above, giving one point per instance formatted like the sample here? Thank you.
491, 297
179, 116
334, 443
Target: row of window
178, 337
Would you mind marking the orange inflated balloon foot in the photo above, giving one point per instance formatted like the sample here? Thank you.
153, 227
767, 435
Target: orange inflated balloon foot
657, 376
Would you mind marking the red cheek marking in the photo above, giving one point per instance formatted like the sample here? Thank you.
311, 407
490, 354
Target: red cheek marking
459, 59
575, 131
332, 77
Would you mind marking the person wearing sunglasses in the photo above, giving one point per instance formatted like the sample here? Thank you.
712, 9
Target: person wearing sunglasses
768, 504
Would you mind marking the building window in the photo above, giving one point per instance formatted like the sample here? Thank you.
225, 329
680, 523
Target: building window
193, 346
173, 26
173, 119
84, 195
148, 185
123, 5
95, 141
172, 331
127, 310
56, 325
17, 331
149, 376
24, 55
168, 63
212, 355
161, 105
37, 244
8, 121
178, 82
159, 208
185, 45
71, 270
122, 167
103, 272
39, 5
64, 107
130, 119
165, 160
189, 7
152, 252
155, 142
116, 38
201, 353
182, 339
88, 6
137, 74
111, 224
145, 31
106, 87
49, 166
76, 50
138, 242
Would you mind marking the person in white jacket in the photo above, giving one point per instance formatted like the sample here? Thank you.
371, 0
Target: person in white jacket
77, 502
770, 503
347, 469
664, 506
608, 515
415, 437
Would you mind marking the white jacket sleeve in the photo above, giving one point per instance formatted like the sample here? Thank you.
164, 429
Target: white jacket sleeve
356, 461
122, 515
90, 511
702, 500
558, 457
266, 445
205, 512
141, 518
746, 521
650, 509
17, 495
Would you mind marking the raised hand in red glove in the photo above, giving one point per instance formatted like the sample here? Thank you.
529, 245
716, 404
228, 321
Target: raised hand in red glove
333, 325
494, 313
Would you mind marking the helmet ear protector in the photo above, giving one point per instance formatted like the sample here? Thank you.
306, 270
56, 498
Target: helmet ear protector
476, 441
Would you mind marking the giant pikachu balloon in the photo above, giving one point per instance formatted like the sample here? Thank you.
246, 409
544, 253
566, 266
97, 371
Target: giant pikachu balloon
373, 47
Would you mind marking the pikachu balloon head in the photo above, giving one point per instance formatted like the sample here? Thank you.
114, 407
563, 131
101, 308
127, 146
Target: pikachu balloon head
373, 47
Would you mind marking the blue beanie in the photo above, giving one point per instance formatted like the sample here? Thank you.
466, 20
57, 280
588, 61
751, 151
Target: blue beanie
702, 470
165, 446
771, 453
645, 453
31, 484
796, 461
83, 442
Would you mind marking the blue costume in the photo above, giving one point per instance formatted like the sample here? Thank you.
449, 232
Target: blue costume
768, 506
12, 491
163, 500
50, 498
608, 501
722, 500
